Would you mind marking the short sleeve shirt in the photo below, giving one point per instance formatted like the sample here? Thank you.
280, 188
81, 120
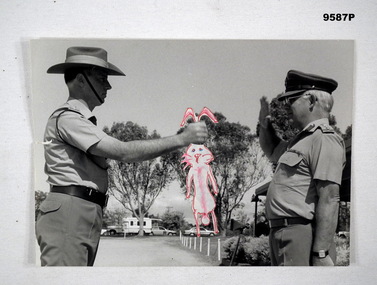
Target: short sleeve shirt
67, 159
316, 153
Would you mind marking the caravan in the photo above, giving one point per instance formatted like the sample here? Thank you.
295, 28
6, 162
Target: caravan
132, 225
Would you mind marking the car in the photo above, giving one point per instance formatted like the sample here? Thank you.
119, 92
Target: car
112, 230
343, 234
159, 231
203, 232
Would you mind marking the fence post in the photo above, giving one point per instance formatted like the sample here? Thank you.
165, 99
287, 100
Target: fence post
219, 249
190, 242
201, 244
209, 244
195, 243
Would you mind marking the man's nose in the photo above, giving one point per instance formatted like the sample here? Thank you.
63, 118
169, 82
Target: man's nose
108, 86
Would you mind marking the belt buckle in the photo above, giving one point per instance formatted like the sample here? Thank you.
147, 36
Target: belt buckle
285, 224
89, 191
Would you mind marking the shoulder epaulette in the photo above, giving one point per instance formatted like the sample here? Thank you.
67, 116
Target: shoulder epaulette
326, 128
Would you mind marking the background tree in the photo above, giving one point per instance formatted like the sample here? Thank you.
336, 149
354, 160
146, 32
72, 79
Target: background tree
348, 133
137, 185
238, 166
243, 217
113, 217
174, 220
40, 196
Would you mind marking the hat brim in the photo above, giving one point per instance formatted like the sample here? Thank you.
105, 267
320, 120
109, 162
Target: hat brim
290, 94
62, 67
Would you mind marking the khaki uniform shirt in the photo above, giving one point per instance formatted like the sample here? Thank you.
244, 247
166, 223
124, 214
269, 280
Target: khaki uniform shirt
67, 160
316, 153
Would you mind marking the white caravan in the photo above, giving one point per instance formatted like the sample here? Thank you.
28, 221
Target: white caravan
132, 225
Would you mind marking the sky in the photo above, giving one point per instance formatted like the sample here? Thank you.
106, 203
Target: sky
165, 77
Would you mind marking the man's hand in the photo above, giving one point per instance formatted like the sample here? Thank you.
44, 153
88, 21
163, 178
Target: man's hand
327, 261
196, 133
264, 113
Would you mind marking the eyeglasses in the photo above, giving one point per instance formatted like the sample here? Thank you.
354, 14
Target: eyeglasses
291, 100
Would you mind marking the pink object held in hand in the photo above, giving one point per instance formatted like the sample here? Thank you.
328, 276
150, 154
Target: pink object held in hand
200, 175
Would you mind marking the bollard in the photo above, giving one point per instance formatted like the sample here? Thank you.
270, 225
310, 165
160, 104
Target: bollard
218, 250
190, 242
209, 244
195, 243
200, 244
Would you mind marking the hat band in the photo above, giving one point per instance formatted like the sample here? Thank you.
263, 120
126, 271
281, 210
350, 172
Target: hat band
87, 59
300, 87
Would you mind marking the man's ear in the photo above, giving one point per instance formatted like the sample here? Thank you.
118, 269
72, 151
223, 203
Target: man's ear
313, 99
80, 79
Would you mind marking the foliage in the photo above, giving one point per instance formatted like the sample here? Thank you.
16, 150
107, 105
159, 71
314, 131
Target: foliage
251, 250
40, 196
238, 166
173, 220
344, 216
113, 217
280, 120
342, 251
348, 133
137, 185
242, 217
255, 251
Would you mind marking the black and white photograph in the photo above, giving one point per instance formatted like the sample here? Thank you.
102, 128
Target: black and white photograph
149, 86
204, 141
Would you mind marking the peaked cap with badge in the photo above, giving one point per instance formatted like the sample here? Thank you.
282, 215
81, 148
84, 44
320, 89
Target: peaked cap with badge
86, 57
298, 82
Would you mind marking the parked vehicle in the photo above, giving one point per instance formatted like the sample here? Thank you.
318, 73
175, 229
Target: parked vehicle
132, 225
344, 234
203, 232
161, 231
112, 230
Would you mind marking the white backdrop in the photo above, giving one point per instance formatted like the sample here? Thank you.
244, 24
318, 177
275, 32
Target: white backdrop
23, 20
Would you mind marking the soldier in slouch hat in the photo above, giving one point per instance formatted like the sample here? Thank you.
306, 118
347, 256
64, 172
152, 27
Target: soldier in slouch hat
70, 221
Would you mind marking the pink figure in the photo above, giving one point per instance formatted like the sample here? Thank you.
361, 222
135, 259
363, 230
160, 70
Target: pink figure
198, 157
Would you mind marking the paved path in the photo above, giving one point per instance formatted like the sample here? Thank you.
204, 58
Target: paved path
147, 251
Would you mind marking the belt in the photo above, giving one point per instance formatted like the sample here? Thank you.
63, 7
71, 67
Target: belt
83, 192
275, 223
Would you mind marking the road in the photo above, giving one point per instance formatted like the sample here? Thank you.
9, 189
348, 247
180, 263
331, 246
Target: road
148, 251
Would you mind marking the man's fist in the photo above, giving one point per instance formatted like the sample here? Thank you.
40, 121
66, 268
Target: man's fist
264, 113
196, 133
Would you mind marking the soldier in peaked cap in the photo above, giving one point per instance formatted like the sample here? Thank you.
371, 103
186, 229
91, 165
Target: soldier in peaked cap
302, 199
69, 225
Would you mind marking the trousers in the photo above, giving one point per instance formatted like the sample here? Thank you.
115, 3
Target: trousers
68, 230
292, 245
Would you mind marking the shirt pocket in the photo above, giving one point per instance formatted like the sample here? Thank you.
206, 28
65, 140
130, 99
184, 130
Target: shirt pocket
50, 206
291, 159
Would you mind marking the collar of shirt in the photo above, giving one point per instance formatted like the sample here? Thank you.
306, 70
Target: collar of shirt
76, 105
311, 127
